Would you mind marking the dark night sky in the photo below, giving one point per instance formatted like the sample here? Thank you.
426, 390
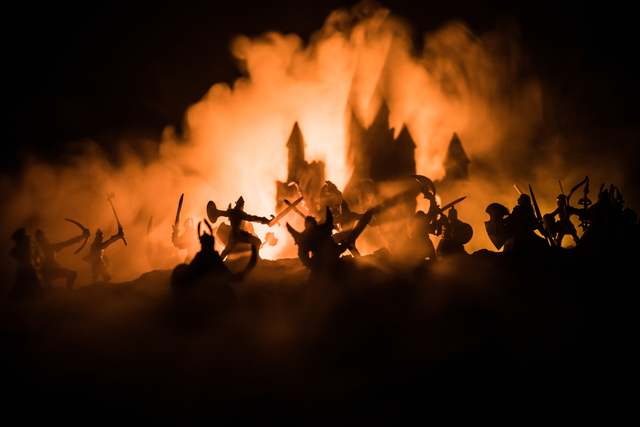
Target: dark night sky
101, 70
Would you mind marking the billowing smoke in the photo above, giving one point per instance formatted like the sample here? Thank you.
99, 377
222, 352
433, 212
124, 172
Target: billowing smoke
234, 141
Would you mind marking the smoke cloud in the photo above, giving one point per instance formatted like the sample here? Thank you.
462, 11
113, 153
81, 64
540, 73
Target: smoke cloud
234, 141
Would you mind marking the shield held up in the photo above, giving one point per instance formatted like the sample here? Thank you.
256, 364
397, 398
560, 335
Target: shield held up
496, 226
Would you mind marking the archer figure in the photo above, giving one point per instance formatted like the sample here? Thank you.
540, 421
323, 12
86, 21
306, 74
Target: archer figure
96, 257
49, 268
237, 217
563, 225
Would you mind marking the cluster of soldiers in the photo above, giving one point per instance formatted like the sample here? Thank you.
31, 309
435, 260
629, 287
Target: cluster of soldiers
607, 223
37, 265
38, 268
323, 241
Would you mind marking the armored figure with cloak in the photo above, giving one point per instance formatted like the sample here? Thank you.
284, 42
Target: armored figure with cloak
515, 231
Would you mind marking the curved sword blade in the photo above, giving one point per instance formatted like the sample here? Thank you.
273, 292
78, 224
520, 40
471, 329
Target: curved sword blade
445, 207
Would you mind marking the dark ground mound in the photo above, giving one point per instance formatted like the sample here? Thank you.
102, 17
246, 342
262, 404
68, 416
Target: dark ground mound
484, 337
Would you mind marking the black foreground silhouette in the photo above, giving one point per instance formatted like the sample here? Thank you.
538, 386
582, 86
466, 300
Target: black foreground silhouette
486, 337
518, 336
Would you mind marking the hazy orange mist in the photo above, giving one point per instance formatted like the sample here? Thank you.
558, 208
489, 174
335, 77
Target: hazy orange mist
235, 138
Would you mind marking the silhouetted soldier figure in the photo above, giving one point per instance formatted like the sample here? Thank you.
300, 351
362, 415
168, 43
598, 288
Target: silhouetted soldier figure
522, 224
330, 196
345, 221
563, 225
237, 217
317, 249
603, 222
419, 245
96, 255
188, 240
27, 284
455, 234
207, 268
627, 218
49, 268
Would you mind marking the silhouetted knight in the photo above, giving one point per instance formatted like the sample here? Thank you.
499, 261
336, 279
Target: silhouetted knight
317, 249
557, 229
515, 231
208, 269
610, 224
455, 234
237, 217
419, 244
96, 257
27, 284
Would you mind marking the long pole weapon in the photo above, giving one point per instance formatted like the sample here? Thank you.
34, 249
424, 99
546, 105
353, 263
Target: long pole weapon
543, 230
109, 197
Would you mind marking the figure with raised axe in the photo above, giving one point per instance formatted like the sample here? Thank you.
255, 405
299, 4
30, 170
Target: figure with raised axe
237, 217
419, 244
50, 270
99, 262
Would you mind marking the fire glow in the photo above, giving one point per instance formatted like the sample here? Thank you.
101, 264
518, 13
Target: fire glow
235, 138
